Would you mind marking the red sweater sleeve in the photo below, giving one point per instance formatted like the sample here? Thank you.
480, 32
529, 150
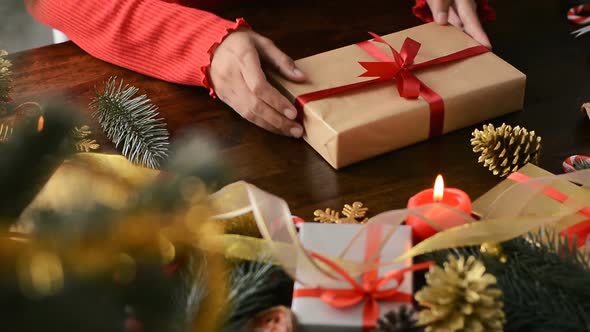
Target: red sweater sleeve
154, 37
484, 10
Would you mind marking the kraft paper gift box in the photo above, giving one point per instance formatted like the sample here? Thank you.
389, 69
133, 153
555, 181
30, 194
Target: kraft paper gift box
371, 120
312, 313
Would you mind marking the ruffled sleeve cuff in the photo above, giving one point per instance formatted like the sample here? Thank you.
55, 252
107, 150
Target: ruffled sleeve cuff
484, 10
223, 31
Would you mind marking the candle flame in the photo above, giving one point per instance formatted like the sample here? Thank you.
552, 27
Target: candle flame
439, 189
40, 123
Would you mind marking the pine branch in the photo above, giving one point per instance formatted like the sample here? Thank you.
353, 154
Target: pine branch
133, 122
544, 283
253, 289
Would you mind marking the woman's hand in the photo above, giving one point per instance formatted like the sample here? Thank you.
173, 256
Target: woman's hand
237, 76
462, 14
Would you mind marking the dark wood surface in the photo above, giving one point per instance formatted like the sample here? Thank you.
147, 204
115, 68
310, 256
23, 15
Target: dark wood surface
531, 35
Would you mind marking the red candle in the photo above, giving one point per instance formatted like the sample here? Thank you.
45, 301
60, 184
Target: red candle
449, 196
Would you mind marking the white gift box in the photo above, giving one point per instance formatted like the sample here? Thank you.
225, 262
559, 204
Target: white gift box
313, 314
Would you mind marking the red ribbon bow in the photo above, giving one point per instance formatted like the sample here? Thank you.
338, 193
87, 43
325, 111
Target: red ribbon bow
370, 291
400, 67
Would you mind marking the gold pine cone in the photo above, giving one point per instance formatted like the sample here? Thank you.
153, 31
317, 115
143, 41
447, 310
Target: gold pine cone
505, 149
461, 297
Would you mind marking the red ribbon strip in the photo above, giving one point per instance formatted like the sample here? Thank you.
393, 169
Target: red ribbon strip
580, 230
370, 290
400, 68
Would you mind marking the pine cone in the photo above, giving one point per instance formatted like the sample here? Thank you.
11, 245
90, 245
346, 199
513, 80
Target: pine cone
460, 298
505, 149
401, 320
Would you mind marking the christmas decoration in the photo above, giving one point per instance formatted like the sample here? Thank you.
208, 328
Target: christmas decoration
5, 79
254, 289
542, 281
505, 149
461, 297
576, 163
81, 141
118, 257
33, 111
401, 320
493, 249
10, 119
353, 214
132, 121
276, 319
579, 15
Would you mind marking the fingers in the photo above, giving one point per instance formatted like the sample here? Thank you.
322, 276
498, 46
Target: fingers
255, 110
282, 62
259, 86
239, 81
467, 11
440, 10
258, 112
454, 18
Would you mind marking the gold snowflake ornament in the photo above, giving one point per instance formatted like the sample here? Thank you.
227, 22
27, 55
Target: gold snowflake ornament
353, 214
81, 141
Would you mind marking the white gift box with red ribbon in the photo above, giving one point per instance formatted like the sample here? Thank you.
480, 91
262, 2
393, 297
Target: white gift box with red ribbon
343, 307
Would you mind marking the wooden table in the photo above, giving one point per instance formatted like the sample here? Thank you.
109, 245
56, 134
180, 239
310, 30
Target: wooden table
533, 37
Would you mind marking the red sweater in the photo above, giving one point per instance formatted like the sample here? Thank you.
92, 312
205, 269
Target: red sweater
166, 39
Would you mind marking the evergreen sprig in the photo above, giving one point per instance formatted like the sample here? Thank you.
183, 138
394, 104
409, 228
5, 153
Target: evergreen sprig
399, 320
132, 121
544, 282
254, 287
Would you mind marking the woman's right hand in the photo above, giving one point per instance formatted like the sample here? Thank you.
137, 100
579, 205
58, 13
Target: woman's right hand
239, 81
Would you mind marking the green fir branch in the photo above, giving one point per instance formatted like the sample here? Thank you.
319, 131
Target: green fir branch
544, 282
253, 288
133, 122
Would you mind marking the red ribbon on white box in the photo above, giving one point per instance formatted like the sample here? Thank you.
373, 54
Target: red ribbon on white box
373, 288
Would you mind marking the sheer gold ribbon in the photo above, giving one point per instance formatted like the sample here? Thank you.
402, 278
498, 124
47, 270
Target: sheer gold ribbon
513, 213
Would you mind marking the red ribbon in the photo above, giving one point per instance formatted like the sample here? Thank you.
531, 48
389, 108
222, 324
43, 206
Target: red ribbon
400, 68
369, 291
580, 230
